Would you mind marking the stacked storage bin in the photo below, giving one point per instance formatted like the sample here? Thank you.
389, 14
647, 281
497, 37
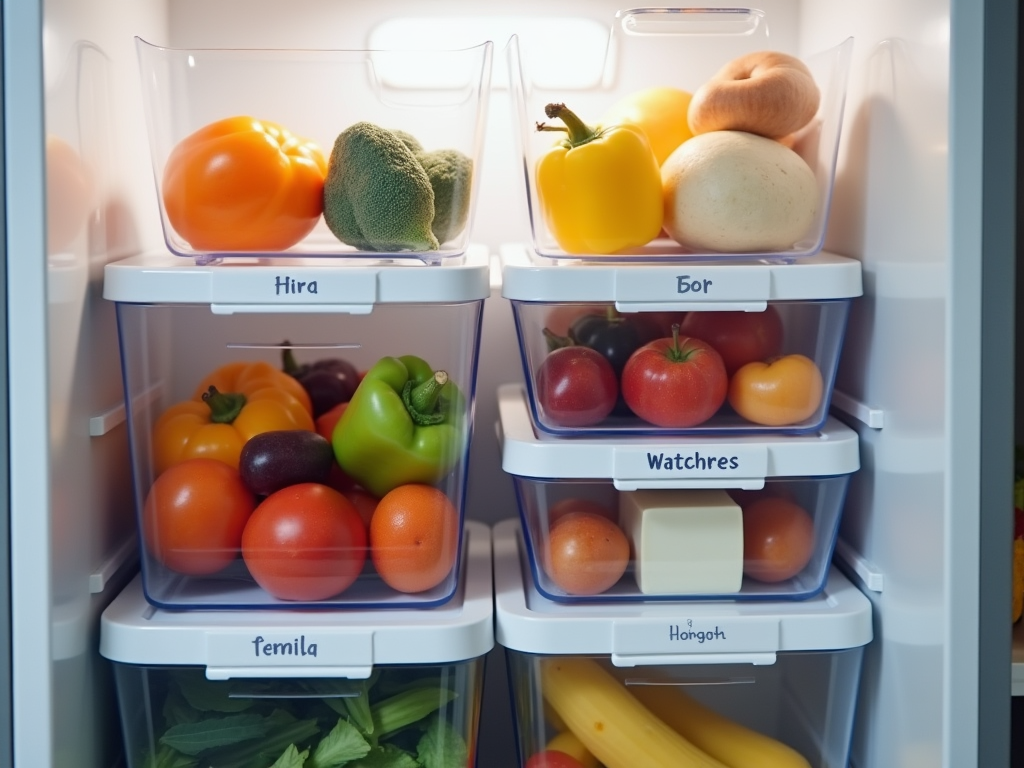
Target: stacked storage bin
680, 481
299, 377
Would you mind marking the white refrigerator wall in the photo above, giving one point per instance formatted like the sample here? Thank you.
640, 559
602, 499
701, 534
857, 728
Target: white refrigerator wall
896, 208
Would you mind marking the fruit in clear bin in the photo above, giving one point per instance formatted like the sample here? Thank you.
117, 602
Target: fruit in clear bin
660, 111
560, 509
576, 387
615, 336
194, 516
778, 539
305, 543
273, 460
553, 758
569, 743
739, 337
242, 184
584, 553
676, 382
414, 537
328, 381
782, 391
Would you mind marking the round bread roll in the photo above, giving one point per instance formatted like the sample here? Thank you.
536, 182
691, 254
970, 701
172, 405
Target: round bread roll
768, 93
735, 192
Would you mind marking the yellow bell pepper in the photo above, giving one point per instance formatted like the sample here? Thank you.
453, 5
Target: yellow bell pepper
600, 188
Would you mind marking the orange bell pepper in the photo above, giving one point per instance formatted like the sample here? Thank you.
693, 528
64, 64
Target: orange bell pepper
242, 184
220, 425
247, 376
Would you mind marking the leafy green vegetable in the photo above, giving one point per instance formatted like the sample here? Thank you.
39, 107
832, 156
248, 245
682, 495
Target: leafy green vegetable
441, 746
342, 745
166, 757
406, 708
208, 696
387, 756
177, 710
193, 738
291, 758
260, 754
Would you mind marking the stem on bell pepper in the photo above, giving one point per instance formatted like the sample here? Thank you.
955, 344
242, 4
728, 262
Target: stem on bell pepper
224, 406
288, 362
421, 400
579, 132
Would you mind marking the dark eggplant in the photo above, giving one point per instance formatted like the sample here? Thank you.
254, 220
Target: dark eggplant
328, 382
274, 460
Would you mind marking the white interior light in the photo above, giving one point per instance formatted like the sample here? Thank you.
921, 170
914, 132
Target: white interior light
564, 52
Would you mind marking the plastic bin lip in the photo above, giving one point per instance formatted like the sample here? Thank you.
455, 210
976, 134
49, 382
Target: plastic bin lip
134, 632
839, 618
285, 283
626, 461
824, 276
261, 51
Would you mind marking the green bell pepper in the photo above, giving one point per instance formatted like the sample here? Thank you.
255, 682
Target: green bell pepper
406, 423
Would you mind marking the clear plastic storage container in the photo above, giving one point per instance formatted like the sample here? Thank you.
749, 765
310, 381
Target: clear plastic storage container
249, 688
636, 519
776, 330
225, 189
661, 686
677, 51
263, 501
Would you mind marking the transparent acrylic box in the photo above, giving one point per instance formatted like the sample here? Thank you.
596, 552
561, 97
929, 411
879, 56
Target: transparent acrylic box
438, 97
170, 347
680, 48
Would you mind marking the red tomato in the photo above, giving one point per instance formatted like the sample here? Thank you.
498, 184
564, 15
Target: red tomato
194, 516
326, 421
739, 337
560, 509
364, 502
305, 542
778, 539
675, 382
585, 554
785, 391
552, 758
576, 387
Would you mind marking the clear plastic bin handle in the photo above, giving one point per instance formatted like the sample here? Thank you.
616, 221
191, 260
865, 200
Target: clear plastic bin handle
630, 660
691, 21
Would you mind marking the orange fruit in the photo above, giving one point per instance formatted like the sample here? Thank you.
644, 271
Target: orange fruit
561, 508
414, 537
585, 553
778, 539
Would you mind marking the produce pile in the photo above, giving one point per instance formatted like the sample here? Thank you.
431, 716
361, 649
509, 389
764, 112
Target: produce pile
601, 721
398, 718
679, 376
243, 184
715, 170
306, 472
583, 550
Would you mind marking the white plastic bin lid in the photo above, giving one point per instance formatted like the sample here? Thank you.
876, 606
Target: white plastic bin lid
678, 286
297, 284
632, 463
635, 634
309, 643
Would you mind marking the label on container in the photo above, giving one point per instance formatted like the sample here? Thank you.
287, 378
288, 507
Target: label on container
300, 285
683, 462
693, 283
286, 648
683, 635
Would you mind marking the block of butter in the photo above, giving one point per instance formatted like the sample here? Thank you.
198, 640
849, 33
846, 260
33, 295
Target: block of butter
684, 542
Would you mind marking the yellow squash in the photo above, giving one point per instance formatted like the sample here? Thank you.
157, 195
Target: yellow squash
600, 188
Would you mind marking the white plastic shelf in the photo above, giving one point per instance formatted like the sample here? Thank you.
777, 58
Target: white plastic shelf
676, 462
296, 284
634, 287
669, 633
347, 643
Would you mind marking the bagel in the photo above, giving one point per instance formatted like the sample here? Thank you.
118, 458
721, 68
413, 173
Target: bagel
736, 192
767, 93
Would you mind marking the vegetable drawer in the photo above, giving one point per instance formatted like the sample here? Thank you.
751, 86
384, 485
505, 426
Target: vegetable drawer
273, 406
249, 689
756, 349
637, 519
692, 136
679, 684
316, 153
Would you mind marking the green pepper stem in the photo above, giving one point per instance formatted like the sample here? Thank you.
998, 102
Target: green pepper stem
421, 400
579, 132
224, 406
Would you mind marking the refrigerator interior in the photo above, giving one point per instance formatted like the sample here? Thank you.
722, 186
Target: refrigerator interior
910, 183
